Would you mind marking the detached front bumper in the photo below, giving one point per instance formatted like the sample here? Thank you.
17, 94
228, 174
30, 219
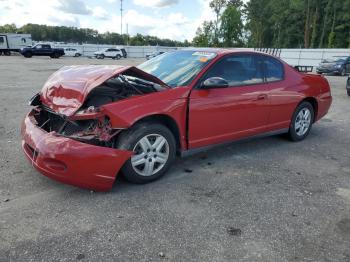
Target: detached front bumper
69, 161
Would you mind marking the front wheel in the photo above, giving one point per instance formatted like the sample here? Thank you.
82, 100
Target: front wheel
118, 57
154, 150
348, 90
302, 121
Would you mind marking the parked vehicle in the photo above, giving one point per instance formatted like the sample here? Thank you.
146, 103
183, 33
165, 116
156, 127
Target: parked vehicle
339, 65
13, 42
72, 52
42, 50
348, 86
90, 122
113, 53
125, 54
150, 56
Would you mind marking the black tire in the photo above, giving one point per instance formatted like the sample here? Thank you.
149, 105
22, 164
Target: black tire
56, 55
102, 56
129, 139
348, 91
7, 53
293, 135
118, 57
28, 54
343, 72
0, 53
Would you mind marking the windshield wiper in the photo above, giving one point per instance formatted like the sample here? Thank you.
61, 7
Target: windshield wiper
126, 81
144, 83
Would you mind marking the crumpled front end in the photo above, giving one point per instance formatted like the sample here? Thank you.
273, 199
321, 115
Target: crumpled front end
68, 160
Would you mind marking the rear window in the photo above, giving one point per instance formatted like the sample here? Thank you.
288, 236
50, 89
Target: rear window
273, 69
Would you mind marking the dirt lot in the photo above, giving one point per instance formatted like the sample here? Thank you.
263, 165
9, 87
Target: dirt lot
263, 200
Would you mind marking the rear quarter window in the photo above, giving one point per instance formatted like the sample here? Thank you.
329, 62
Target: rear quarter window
274, 70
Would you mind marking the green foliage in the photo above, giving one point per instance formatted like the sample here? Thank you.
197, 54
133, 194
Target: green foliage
298, 23
85, 35
277, 23
226, 30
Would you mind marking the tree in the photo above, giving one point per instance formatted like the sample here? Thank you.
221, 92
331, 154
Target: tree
231, 27
217, 6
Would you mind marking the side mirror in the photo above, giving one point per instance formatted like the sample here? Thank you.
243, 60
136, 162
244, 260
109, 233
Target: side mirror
214, 82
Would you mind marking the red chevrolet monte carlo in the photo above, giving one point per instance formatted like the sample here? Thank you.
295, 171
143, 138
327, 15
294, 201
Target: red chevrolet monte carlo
91, 122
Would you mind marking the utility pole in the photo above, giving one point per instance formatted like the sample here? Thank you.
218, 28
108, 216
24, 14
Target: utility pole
121, 17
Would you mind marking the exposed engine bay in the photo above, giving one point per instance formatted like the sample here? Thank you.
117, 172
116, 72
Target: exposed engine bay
98, 130
119, 88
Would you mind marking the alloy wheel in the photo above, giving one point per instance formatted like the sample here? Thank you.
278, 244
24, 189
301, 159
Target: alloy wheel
302, 122
151, 155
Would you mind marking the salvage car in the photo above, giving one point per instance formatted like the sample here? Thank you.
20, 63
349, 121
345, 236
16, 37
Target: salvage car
339, 65
90, 122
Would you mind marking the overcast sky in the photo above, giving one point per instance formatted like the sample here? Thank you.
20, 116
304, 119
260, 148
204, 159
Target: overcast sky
174, 19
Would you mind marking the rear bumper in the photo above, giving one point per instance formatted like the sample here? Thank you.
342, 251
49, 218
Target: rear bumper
69, 161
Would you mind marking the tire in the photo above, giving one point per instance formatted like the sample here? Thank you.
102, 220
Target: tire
300, 127
7, 53
343, 72
348, 91
0, 53
135, 170
56, 55
118, 57
102, 56
27, 54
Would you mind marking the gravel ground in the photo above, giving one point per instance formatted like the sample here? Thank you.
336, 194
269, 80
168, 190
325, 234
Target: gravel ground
262, 200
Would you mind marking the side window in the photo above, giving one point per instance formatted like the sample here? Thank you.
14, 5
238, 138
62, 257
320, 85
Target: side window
38, 46
117, 50
46, 46
273, 69
238, 70
2, 40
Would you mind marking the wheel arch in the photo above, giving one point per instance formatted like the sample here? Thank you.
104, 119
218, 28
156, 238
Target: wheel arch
314, 103
167, 121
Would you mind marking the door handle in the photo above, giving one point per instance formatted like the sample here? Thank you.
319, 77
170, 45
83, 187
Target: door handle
261, 97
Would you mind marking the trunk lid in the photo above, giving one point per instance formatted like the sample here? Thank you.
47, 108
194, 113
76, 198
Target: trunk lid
66, 90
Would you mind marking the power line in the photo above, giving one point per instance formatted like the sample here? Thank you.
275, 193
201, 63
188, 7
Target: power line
121, 17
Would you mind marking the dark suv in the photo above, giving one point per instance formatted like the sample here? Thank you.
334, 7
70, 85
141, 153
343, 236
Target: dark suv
339, 65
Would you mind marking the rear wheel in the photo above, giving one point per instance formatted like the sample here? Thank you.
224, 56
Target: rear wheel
118, 57
343, 72
7, 53
154, 147
348, 90
302, 121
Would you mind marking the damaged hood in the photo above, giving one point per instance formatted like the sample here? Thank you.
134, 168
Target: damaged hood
66, 90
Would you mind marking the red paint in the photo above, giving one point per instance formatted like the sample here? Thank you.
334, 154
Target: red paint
215, 116
70, 161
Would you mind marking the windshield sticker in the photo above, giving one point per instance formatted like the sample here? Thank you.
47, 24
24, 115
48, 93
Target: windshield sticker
203, 59
204, 54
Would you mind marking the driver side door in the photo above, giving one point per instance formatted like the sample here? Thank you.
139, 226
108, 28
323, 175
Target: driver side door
219, 115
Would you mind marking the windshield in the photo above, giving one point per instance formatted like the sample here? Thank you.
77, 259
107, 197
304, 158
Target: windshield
177, 68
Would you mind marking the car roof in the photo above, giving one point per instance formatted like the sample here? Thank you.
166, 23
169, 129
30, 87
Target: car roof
224, 51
